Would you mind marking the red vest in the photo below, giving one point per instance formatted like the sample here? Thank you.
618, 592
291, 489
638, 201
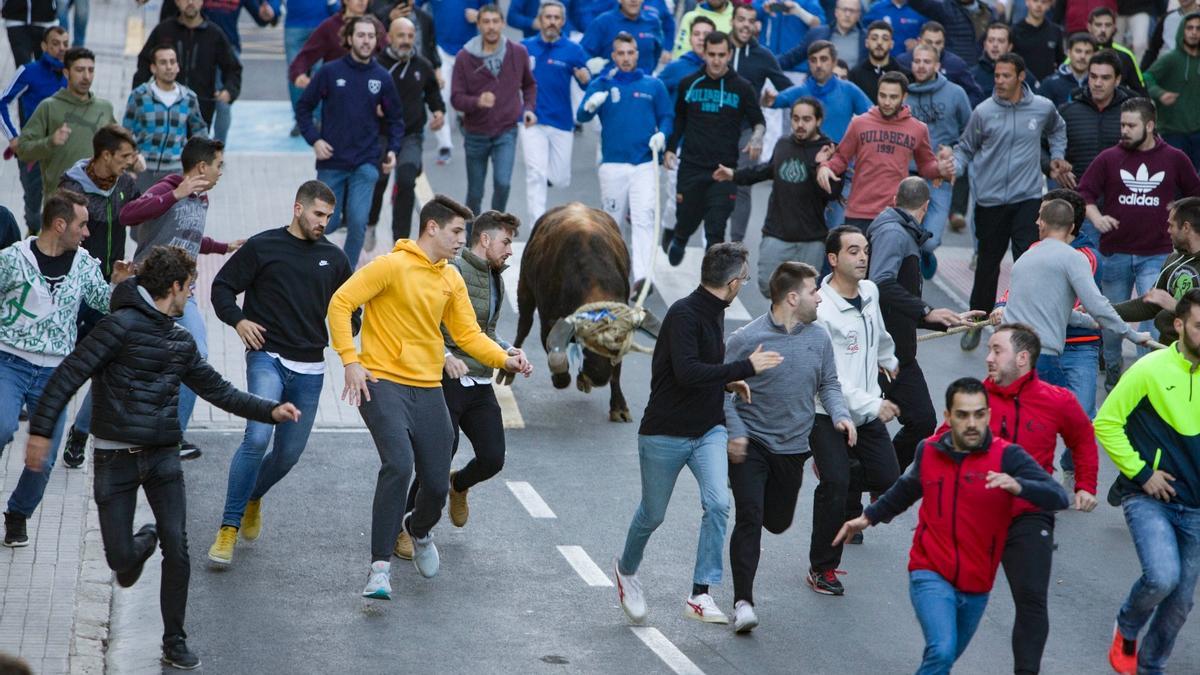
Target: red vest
962, 524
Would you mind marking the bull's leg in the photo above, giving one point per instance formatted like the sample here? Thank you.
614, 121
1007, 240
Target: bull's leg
618, 410
525, 307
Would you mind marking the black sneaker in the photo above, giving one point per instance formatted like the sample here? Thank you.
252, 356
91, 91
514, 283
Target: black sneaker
189, 450
825, 583
857, 539
177, 655
73, 450
675, 253
295, 132
14, 530
23, 416
1111, 377
1114, 494
149, 535
667, 236
970, 339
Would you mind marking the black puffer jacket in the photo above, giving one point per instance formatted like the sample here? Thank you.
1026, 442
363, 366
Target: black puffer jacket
30, 11
1091, 131
138, 357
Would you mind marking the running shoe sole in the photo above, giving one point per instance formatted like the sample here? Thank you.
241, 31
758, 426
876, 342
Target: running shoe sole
817, 588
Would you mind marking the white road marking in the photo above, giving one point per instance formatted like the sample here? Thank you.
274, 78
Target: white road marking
530, 499
423, 191
583, 565
676, 660
509, 411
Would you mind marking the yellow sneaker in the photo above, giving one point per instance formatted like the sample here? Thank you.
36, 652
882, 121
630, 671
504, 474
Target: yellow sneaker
404, 546
252, 520
222, 549
459, 511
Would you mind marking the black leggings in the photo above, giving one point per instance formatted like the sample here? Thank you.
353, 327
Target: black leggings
1027, 557
475, 412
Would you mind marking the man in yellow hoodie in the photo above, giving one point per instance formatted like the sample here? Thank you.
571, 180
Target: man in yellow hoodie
396, 379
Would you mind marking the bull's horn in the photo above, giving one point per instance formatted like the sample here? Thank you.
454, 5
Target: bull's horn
641, 349
556, 345
650, 323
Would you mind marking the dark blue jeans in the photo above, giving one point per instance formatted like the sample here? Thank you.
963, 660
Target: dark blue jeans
948, 619
254, 470
1167, 539
21, 383
502, 150
353, 190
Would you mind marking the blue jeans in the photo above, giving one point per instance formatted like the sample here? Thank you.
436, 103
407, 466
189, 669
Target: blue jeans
937, 215
1167, 539
1080, 364
948, 619
1188, 143
293, 40
1049, 369
502, 150
1120, 274
222, 113
254, 471
21, 383
835, 211
661, 459
193, 322
79, 33
353, 190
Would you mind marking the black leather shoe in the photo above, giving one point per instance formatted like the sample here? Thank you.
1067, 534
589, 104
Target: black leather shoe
147, 536
177, 655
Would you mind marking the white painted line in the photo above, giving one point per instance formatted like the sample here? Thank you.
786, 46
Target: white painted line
530, 499
668, 652
423, 191
583, 565
509, 411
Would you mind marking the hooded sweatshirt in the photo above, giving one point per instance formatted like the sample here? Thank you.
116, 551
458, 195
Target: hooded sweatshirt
406, 299
350, 94
984, 73
646, 29
162, 130
781, 415
37, 324
861, 346
554, 65
84, 117
757, 64
31, 12
325, 45
637, 107
1060, 86
709, 116
881, 149
905, 21
1135, 187
674, 72
943, 106
201, 51
106, 235
895, 238
32, 83
1003, 145
1179, 72
841, 99
512, 83
796, 208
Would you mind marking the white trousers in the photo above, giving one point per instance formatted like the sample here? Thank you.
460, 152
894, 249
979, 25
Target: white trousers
443, 134
547, 161
628, 190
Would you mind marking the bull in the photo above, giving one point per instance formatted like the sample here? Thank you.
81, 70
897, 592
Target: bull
575, 257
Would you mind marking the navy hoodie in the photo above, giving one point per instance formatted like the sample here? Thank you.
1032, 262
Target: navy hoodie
349, 92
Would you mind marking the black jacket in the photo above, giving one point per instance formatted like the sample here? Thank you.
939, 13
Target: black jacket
425, 45
137, 357
866, 76
895, 267
796, 209
1041, 46
30, 11
10, 232
1091, 131
984, 73
709, 116
757, 64
106, 235
416, 83
201, 51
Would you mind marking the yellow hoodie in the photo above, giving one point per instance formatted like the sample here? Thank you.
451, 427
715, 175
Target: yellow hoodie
406, 299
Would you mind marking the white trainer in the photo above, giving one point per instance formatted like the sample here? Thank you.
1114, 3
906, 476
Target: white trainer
379, 583
629, 591
744, 618
703, 608
425, 554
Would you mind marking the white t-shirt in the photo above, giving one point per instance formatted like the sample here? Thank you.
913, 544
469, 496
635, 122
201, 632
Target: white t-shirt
167, 97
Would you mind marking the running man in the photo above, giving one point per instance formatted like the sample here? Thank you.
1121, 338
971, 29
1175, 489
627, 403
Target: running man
684, 425
408, 295
288, 275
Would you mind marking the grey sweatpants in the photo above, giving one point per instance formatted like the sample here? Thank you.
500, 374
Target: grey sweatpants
772, 252
410, 425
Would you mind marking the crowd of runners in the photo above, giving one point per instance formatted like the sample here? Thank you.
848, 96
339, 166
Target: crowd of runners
1067, 133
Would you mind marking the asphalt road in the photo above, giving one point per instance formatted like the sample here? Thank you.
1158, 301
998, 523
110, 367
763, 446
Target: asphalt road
506, 600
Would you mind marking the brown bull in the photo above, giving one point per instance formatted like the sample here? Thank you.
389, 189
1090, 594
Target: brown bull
574, 256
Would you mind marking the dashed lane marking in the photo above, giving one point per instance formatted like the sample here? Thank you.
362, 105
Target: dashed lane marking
509, 412
530, 499
583, 565
135, 35
658, 643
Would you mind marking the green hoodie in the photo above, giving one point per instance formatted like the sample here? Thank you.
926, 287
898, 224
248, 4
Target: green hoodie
83, 117
1179, 72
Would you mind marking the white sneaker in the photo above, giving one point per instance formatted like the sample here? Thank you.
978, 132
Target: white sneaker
703, 608
425, 554
744, 618
379, 584
629, 591
1068, 483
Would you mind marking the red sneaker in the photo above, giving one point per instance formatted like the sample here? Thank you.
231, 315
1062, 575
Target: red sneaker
1122, 655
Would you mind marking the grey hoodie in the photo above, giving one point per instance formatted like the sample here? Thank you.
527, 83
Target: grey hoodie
943, 106
491, 61
1003, 146
781, 414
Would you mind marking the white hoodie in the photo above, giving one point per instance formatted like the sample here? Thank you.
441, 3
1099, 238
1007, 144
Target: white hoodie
861, 345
